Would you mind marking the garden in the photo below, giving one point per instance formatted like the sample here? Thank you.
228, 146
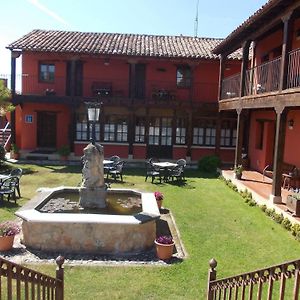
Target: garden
212, 219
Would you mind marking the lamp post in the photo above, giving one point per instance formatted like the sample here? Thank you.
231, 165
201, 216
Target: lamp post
93, 109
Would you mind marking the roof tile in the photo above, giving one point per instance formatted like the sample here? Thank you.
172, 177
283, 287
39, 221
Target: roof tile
119, 44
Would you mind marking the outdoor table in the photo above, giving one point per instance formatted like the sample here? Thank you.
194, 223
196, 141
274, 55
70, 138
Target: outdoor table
3, 177
165, 166
108, 165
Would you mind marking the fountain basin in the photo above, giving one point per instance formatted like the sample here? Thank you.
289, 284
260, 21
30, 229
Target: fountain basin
88, 233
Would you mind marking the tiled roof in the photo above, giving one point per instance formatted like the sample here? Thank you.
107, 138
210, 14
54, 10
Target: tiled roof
262, 15
118, 44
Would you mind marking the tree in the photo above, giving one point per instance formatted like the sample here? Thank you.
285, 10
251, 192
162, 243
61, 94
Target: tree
5, 99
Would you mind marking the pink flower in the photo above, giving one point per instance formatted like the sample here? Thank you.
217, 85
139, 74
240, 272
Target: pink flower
158, 196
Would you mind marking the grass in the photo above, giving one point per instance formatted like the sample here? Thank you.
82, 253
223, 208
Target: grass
212, 219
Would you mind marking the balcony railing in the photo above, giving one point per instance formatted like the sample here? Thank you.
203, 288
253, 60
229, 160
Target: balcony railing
18, 282
231, 86
116, 90
264, 78
293, 78
279, 281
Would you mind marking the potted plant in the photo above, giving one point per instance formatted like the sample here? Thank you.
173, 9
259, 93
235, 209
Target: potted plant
293, 204
64, 151
8, 230
14, 151
159, 198
238, 171
164, 247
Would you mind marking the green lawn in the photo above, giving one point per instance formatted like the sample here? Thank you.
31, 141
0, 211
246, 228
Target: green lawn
213, 221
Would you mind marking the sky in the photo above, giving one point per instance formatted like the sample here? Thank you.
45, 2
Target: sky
216, 18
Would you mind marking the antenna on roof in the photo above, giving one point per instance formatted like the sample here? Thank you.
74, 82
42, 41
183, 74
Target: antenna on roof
196, 21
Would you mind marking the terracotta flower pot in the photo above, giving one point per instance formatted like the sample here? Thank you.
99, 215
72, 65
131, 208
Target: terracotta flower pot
6, 242
159, 203
164, 251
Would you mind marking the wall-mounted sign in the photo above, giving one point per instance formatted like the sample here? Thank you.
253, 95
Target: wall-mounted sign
28, 118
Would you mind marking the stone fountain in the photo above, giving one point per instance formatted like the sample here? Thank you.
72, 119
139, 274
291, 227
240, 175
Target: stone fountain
93, 189
86, 230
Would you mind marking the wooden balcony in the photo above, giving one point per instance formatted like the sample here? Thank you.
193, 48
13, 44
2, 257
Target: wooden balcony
113, 92
262, 86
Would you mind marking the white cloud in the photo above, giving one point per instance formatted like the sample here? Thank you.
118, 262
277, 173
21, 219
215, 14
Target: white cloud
47, 11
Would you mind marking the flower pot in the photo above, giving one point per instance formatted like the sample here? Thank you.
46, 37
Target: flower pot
238, 176
6, 242
14, 155
164, 251
159, 203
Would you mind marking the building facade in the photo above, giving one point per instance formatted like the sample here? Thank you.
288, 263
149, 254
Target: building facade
265, 93
158, 93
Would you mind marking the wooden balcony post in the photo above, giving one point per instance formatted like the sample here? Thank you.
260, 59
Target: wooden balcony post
132, 84
189, 135
239, 138
218, 134
253, 58
212, 275
246, 46
286, 47
221, 75
281, 116
59, 294
14, 56
72, 77
131, 133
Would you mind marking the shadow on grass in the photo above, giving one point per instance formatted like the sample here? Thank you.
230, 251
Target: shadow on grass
64, 169
9, 206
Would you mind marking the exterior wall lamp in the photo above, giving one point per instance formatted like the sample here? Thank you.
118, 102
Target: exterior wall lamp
93, 110
291, 124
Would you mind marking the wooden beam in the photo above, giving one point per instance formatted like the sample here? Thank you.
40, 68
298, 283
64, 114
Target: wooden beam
286, 47
281, 115
240, 135
287, 98
244, 66
221, 75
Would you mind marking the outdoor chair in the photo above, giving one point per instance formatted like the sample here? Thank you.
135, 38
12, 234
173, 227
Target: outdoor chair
18, 173
176, 172
152, 171
286, 169
115, 159
8, 188
117, 171
182, 162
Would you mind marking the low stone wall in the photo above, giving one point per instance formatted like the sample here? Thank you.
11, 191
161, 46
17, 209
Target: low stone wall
89, 237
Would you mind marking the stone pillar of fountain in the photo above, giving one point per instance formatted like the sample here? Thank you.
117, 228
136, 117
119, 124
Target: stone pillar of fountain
93, 189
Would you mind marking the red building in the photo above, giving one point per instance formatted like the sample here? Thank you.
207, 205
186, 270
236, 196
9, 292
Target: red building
159, 94
265, 93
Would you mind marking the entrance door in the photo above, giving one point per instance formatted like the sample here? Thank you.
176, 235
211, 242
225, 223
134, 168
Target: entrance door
160, 138
46, 129
78, 78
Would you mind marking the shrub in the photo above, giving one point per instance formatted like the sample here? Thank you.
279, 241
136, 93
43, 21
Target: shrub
286, 223
64, 150
278, 218
2, 154
209, 163
270, 212
251, 202
263, 207
295, 228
